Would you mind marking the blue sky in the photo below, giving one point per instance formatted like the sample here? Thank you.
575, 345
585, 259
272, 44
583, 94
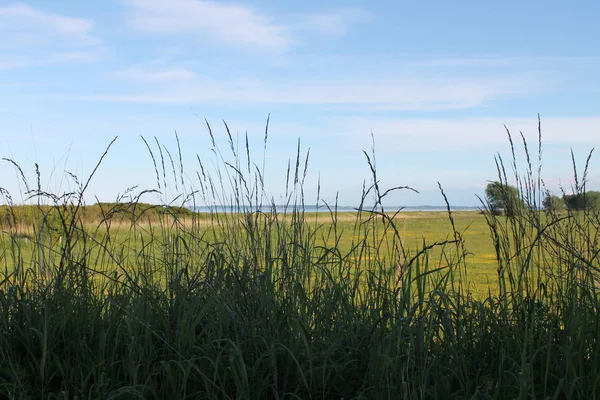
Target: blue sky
434, 82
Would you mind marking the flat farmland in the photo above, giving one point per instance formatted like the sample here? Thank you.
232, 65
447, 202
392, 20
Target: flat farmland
131, 246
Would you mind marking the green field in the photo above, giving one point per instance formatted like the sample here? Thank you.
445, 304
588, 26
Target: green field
416, 229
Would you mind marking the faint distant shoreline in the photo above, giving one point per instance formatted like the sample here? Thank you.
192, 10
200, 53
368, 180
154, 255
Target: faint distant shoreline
324, 209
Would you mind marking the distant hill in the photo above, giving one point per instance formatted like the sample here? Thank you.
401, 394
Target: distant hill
34, 214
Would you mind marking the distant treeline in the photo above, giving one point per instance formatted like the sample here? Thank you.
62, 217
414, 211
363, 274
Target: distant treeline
574, 202
121, 212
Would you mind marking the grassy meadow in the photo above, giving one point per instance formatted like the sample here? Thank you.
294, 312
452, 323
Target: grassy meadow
415, 229
127, 300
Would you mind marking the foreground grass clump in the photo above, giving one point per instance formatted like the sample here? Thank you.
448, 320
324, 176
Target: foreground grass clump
265, 305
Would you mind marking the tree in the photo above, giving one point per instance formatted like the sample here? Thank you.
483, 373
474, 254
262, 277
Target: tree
503, 197
583, 201
553, 203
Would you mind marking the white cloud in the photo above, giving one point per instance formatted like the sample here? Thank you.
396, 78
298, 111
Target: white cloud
336, 22
458, 152
208, 20
236, 24
168, 76
468, 133
27, 24
477, 136
29, 36
384, 92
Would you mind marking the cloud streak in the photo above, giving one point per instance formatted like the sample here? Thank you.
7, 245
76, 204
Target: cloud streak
208, 20
235, 24
30, 36
334, 23
464, 133
184, 86
168, 76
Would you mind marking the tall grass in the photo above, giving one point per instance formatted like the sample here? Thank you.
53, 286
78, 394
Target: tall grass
260, 305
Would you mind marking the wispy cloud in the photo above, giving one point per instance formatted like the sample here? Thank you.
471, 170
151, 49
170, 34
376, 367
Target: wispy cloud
463, 133
208, 20
30, 36
169, 76
384, 93
334, 22
236, 24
